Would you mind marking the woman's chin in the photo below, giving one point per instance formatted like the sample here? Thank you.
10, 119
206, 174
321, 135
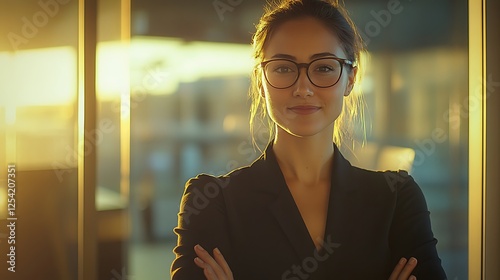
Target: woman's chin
306, 132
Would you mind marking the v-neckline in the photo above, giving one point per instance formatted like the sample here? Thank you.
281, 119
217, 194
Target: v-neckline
311, 244
325, 221
286, 212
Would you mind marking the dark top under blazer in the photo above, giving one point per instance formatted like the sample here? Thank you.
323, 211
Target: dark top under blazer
374, 219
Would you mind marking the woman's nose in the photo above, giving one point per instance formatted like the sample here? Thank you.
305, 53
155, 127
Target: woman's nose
303, 87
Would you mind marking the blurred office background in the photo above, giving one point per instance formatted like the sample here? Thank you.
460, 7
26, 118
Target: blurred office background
415, 87
172, 102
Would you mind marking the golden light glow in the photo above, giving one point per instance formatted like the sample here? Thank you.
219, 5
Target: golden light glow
38, 77
125, 16
476, 139
112, 68
159, 65
38, 93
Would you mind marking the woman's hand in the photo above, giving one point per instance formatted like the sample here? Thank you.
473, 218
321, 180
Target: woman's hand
403, 270
218, 269
214, 269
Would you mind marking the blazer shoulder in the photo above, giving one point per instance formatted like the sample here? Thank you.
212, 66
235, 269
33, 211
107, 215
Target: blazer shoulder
239, 176
389, 179
205, 183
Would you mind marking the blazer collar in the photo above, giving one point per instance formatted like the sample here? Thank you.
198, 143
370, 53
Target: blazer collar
270, 171
341, 206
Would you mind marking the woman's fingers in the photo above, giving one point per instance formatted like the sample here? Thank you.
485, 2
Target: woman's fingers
222, 262
406, 273
211, 268
397, 270
403, 269
207, 270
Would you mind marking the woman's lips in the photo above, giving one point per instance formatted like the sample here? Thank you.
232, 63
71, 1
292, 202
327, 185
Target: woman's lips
304, 110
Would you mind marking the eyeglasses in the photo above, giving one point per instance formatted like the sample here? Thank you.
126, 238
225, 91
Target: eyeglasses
322, 72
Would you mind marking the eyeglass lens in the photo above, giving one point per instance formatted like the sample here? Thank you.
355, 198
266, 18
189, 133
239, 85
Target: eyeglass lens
284, 73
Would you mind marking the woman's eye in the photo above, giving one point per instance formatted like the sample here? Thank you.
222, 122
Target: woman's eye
283, 70
325, 68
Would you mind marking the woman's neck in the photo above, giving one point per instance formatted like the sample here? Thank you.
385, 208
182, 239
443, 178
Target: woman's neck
307, 160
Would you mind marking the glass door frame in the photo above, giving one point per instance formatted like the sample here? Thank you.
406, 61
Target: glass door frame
87, 216
87, 124
484, 153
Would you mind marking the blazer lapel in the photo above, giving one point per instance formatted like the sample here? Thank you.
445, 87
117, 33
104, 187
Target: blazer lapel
285, 210
288, 217
343, 206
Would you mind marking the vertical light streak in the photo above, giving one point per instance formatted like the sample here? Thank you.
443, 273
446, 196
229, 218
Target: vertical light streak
477, 138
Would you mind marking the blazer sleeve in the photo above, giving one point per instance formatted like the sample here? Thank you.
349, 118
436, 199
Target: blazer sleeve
411, 234
202, 220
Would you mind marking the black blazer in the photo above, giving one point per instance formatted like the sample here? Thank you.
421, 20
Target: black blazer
374, 219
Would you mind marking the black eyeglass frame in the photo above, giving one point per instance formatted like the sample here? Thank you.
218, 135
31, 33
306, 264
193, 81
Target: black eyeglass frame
342, 62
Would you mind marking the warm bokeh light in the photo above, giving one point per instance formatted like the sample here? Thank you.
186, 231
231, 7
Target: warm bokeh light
38, 77
38, 92
112, 66
159, 65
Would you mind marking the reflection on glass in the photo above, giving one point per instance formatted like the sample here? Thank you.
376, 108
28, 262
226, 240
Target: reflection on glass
38, 135
39, 102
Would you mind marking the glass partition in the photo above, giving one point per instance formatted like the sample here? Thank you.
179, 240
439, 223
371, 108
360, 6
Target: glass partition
180, 108
38, 139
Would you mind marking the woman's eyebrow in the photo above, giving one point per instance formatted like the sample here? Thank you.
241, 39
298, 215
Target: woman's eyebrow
318, 55
291, 57
285, 56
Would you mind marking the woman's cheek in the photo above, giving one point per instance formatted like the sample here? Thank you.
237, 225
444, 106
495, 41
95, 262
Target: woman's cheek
276, 111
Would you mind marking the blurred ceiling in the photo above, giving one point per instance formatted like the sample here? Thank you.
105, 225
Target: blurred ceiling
418, 24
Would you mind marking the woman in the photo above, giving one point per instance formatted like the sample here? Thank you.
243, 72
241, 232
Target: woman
301, 211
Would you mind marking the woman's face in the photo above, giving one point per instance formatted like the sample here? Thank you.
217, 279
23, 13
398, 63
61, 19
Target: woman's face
304, 109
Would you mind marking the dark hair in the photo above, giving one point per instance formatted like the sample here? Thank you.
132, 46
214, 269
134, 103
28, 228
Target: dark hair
335, 17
